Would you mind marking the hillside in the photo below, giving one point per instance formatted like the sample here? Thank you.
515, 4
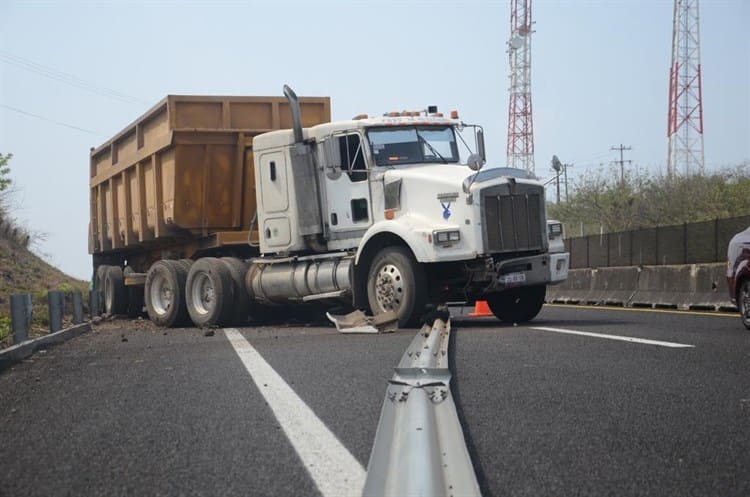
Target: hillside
21, 271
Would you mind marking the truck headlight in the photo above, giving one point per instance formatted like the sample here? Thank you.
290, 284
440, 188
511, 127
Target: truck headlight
446, 236
554, 229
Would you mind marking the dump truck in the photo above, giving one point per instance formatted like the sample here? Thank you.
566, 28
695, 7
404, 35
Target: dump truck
218, 210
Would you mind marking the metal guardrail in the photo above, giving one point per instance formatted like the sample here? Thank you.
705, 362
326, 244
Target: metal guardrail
419, 447
59, 305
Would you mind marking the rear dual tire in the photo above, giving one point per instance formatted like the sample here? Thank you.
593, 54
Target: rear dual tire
209, 293
165, 293
112, 286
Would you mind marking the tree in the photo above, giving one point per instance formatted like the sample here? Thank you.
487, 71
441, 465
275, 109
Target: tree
601, 201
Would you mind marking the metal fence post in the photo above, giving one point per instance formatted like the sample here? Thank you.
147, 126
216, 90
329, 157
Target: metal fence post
716, 240
77, 308
55, 302
656, 246
684, 243
21, 310
588, 260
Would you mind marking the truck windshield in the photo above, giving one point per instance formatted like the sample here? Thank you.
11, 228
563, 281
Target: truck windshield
413, 145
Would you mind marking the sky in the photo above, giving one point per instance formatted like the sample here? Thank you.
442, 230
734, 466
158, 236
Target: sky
599, 79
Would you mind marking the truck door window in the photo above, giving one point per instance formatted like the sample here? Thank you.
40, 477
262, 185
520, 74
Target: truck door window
352, 157
359, 209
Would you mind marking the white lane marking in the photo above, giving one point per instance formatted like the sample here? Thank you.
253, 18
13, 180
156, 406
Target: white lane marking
333, 468
614, 337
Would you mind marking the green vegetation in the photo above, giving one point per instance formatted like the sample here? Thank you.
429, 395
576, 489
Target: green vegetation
601, 201
23, 272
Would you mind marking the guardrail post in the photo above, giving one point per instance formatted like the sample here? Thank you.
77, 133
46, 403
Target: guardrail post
55, 302
21, 310
77, 308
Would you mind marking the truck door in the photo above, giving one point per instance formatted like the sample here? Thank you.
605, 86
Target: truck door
347, 191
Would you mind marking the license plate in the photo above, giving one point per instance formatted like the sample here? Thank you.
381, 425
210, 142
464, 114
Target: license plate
513, 278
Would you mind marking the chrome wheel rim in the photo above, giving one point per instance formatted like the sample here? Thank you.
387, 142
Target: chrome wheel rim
389, 288
203, 294
161, 295
745, 303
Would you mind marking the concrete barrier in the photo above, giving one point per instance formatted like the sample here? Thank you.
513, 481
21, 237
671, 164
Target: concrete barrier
664, 287
574, 290
613, 285
690, 286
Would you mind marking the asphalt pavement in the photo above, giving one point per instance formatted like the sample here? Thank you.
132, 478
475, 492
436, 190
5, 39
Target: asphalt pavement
582, 401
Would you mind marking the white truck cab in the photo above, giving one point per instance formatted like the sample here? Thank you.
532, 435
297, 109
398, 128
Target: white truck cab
391, 213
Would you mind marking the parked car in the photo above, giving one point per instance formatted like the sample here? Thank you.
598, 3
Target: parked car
738, 273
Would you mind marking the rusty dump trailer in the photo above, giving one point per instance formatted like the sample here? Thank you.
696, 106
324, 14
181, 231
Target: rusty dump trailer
180, 179
179, 183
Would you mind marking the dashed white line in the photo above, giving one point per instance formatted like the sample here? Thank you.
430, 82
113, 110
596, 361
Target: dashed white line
614, 337
333, 468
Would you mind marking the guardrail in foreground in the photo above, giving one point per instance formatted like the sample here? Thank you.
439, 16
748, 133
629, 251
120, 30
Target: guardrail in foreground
419, 447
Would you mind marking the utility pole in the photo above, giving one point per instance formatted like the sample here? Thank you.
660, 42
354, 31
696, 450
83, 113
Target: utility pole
622, 160
558, 167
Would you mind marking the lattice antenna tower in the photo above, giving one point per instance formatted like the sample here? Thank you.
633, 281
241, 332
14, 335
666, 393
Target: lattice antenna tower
685, 114
520, 145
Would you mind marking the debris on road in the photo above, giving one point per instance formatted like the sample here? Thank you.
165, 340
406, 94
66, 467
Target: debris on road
359, 322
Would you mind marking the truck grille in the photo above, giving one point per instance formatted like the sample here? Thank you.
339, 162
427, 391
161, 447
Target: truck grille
513, 222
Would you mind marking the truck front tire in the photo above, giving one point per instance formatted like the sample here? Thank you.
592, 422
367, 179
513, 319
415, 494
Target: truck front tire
517, 305
397, 282
209, 293
165, 293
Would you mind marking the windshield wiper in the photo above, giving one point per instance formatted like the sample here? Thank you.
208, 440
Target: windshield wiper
432, 149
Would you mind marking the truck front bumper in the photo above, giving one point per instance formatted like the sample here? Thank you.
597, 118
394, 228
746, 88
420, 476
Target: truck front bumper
534, 270
559, 263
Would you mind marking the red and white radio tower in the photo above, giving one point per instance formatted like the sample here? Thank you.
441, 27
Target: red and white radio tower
520, 146
685, 115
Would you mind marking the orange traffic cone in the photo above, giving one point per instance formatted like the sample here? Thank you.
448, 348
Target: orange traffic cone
481, 309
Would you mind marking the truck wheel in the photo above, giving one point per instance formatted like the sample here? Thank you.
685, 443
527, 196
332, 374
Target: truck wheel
240, 308
743, 302
115, 293
165, 293
209, 293
187, 264
101, 272
517, 305
396, 282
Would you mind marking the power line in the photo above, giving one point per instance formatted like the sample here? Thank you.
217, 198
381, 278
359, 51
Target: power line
67, 78
60, 123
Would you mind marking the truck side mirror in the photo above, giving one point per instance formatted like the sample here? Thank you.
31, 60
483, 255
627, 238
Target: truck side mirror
475, 162
332, 161
480, 145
